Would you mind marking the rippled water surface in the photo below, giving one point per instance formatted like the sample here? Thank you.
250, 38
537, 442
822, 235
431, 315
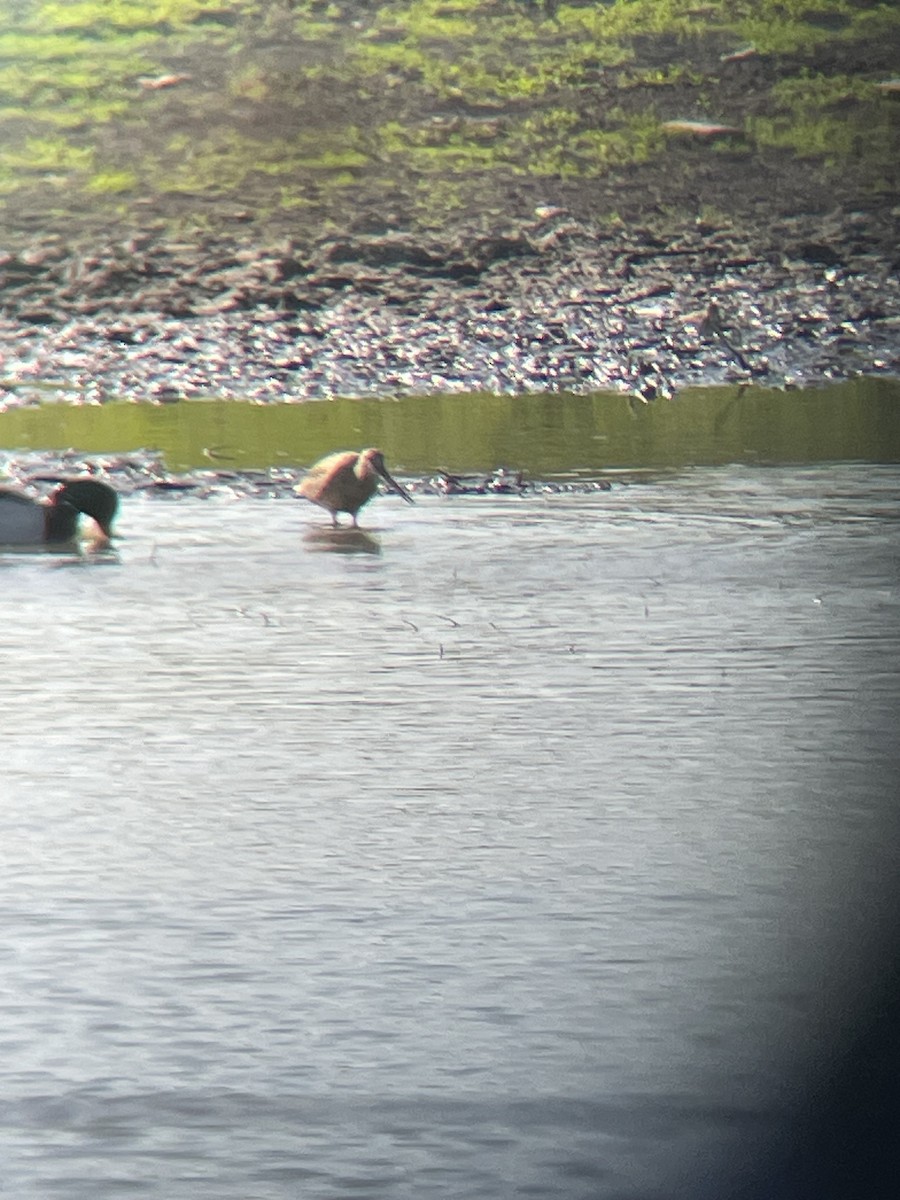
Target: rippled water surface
532, 847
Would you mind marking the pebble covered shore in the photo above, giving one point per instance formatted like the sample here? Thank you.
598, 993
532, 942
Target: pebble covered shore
551, 304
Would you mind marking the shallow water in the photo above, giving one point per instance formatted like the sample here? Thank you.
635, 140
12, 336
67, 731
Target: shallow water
542, 434
531, 847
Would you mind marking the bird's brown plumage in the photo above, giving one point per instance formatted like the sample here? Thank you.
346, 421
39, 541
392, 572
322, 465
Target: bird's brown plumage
345, 481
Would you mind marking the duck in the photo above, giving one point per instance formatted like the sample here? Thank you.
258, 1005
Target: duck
346, 480
54, 520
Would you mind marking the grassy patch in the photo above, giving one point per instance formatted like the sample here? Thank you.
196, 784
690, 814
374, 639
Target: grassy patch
837, 119
112, 183
112, 16
274, 104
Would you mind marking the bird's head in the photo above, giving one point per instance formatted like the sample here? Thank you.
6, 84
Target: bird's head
93, 498
372, 460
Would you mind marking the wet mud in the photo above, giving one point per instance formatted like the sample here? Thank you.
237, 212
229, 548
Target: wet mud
553, 305
726, 248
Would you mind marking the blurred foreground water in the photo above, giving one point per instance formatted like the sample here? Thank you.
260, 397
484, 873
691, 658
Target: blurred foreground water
537, 846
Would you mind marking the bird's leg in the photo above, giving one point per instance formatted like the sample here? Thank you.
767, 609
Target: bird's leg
355, 522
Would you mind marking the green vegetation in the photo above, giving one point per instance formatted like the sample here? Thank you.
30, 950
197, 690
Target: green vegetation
112, 182
225, 165
177, 105
98, 16
830, 118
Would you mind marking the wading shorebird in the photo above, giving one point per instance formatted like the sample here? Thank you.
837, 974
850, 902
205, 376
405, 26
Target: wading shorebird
54, 521
345, 481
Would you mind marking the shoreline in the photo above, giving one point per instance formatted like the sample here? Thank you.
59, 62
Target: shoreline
549, 304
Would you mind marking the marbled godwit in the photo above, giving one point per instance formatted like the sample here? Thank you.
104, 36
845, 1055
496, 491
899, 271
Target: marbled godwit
28, 522
345, 481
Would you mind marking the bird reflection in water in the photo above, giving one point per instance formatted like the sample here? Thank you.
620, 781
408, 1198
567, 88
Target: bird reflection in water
341, 540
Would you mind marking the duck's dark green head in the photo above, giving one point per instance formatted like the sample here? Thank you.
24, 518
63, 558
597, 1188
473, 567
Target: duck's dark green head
91, 497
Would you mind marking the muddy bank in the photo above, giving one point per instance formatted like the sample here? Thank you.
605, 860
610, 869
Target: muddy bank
547, 304
208, 120
295, 202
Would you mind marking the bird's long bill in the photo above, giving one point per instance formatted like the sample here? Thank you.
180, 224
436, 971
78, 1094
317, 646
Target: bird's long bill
395, 486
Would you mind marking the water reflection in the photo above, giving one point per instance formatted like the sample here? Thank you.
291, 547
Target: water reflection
544, 855
90, 552
541, 435
343, 540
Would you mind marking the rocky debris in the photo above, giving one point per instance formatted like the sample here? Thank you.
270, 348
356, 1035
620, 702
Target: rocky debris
47, 282
143, 471
551, 305
501, 482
